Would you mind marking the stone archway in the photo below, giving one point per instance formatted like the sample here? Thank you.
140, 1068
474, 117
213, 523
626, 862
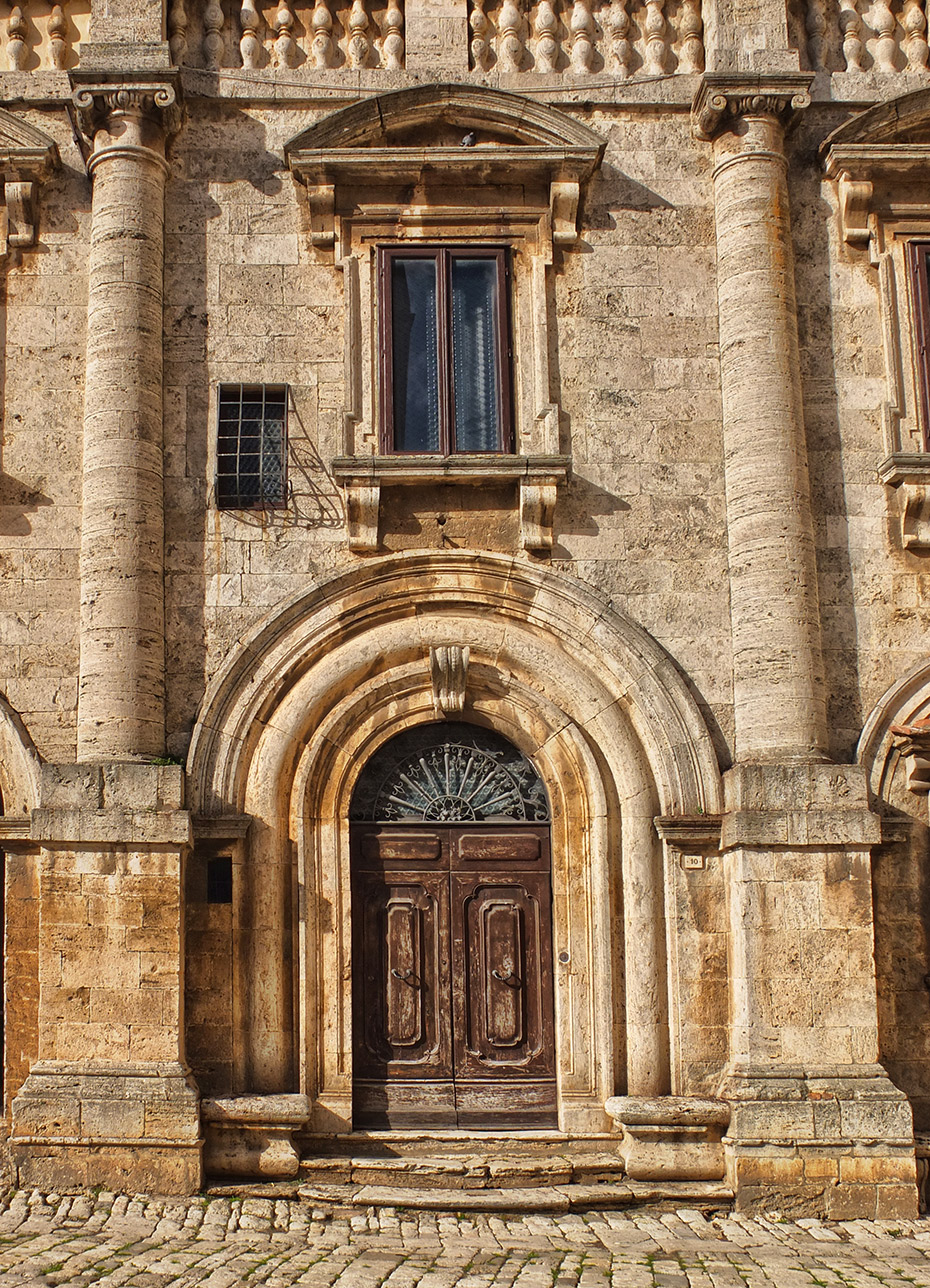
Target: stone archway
587, 695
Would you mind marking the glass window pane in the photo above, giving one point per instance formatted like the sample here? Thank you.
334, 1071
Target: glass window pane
415, 369
474, 355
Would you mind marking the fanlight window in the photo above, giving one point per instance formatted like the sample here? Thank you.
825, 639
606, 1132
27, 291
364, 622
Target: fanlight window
449, 773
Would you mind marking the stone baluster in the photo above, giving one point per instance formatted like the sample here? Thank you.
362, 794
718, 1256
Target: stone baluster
121, 694
213, 43
392, 47
359, 48
177, 26
57, 37
656, 44
285, 46
851, 28
618, 32
690, 29
510, 48
885, 46
480, 47
17, 51
545, 33
250, 45
815, 25
582, 37
322, 49
914, 22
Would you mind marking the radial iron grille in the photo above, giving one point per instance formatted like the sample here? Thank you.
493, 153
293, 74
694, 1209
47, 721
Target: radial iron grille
251, 447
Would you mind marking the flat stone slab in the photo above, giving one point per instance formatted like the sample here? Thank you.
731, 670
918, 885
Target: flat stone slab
539, 1198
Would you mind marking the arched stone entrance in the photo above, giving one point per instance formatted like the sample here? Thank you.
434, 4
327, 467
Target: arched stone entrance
586, 696
451, 934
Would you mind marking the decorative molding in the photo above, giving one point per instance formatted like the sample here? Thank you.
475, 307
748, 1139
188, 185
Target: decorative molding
912, 741
448, 670
223, 827
721, 100
363, 477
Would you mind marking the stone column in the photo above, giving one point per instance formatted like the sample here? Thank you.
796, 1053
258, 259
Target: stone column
816, 1126
779, 700
121, 695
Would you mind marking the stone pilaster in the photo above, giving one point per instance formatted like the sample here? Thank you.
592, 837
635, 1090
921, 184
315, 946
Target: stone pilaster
110, 1100
121, 695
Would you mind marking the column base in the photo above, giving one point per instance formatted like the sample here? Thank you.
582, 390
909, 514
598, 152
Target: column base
123, 1127
835, 1142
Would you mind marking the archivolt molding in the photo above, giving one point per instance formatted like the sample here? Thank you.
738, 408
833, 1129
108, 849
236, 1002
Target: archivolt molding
558, 636
880, 750
19, 765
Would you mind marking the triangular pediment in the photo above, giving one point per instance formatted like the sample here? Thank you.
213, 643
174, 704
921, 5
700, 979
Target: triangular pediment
25, 149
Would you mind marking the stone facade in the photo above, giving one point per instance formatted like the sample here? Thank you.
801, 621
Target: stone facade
692, 591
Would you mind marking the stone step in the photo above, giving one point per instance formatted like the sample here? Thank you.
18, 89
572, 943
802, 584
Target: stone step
464, 1171
506, 1144
701, 1195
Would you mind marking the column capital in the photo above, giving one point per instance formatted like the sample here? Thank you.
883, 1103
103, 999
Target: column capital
98, 100
722, 99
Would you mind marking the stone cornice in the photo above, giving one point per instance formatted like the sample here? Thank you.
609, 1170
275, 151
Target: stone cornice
722, 99
97, 98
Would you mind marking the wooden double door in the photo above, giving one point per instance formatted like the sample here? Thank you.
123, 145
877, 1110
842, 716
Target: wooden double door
452, 976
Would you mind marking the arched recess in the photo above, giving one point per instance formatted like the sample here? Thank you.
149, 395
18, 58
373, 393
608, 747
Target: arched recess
901, 890
587, 695
19, 765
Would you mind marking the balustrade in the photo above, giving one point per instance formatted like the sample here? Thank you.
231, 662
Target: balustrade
883, 37
623, 38
282, 34
44, 36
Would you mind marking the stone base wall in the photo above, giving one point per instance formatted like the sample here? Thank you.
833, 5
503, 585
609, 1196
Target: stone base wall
123, 1127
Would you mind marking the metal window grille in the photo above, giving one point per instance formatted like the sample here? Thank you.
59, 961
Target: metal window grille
251, 450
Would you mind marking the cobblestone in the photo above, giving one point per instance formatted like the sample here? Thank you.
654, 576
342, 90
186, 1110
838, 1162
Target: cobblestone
138, 1241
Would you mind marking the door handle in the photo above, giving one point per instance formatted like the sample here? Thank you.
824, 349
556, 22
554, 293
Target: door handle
510, 980
404, 977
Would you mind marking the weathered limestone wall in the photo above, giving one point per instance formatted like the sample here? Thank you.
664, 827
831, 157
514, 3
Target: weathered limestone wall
42, 357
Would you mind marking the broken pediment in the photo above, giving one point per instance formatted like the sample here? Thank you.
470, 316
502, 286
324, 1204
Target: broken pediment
446, 135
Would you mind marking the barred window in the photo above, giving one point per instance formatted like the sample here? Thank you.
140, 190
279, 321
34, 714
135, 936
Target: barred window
251, 451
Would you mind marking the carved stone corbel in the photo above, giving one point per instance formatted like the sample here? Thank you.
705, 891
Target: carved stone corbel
855, 208
912, 741
363, 501
537, 511
322, 200
909, 474
448, 669
27, 157
564, 196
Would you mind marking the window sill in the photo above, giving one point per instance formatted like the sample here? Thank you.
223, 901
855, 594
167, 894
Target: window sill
538, 478
909, 473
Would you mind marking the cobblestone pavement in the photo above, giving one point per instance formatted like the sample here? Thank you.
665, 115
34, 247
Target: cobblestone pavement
140, 1242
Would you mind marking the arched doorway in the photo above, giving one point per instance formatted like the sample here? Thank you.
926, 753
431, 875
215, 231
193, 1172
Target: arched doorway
452, 934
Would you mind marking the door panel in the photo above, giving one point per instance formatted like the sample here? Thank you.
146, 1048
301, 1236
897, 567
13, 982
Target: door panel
503, 1021
452, 975
402, 977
